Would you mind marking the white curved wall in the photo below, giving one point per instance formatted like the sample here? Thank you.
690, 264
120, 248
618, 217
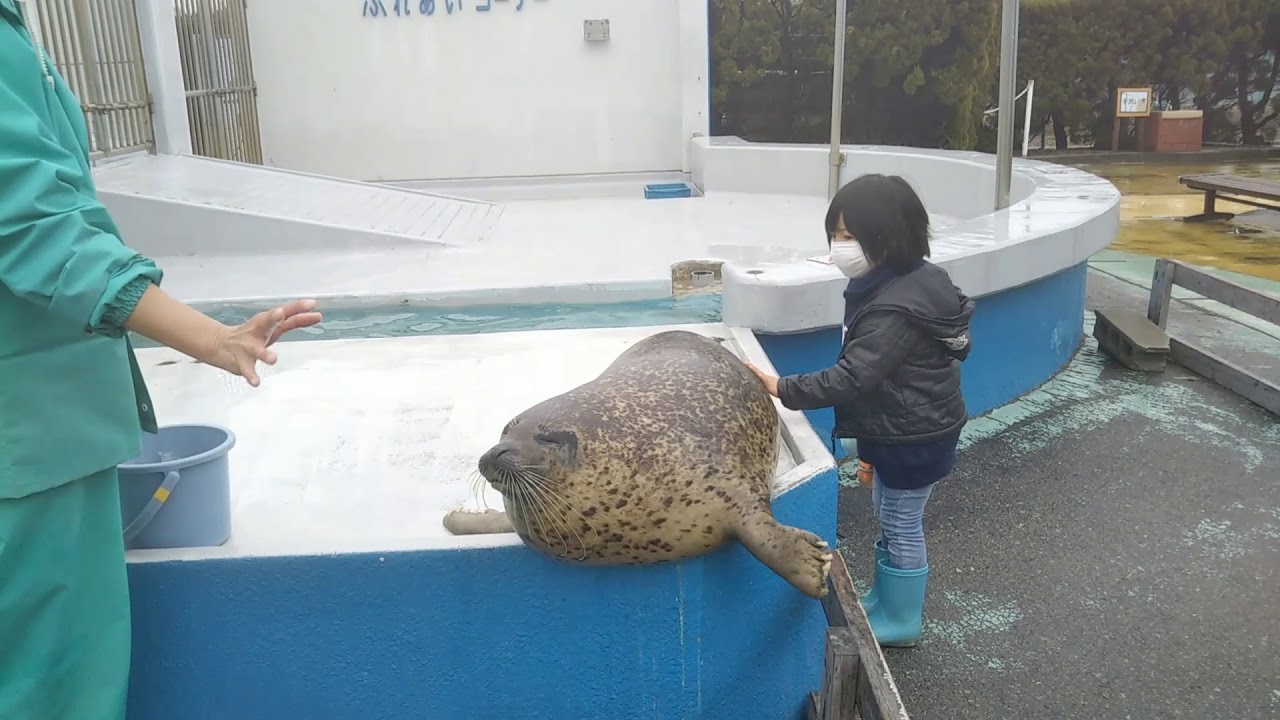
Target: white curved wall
1058, 217
965, 188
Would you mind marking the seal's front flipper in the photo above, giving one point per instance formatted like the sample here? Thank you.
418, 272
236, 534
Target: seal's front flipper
797, 556
474, 522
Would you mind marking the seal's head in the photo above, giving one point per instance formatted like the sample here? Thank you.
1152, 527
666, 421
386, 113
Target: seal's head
531, 456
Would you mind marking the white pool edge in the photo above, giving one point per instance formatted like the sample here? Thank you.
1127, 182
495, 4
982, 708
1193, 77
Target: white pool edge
808, 451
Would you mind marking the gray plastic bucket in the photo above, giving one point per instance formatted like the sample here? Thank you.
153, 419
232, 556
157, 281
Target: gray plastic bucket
177, 491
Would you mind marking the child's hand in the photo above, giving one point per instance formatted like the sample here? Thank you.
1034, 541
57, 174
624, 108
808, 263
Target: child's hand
770, 381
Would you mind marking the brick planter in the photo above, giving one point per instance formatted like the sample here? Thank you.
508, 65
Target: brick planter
1171, 131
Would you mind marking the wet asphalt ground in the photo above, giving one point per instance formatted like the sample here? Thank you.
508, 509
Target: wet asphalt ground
1109, 547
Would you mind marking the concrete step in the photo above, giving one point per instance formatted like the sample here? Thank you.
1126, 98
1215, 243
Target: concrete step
1132, 339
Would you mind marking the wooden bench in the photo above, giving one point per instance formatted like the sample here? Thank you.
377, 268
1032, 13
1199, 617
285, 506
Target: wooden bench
1254, 192
856, 682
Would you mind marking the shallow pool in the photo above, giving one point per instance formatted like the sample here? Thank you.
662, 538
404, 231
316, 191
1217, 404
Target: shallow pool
383, 321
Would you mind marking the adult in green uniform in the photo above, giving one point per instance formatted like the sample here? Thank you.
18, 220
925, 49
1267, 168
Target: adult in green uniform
72, 401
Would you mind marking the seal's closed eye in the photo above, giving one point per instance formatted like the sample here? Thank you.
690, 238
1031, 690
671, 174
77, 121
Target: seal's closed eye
558, 438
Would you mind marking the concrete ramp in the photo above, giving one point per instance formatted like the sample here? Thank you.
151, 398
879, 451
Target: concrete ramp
180, 204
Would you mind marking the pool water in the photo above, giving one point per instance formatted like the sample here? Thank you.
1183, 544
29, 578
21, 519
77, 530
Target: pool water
382, 321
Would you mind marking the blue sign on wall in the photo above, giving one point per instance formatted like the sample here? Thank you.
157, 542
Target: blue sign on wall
406, 8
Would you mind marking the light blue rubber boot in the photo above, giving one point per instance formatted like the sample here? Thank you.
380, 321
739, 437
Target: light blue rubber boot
899, 612
873, 595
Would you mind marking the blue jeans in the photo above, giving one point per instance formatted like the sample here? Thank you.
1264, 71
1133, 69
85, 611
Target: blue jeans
901, 516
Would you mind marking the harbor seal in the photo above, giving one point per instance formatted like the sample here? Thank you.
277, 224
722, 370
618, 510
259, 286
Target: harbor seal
667, 454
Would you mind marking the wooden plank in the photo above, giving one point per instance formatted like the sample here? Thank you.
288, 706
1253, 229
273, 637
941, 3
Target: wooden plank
842, 600
1235, 198
1238, 184
843, 664
1161, 293
1227, 374
1259, 305
879, 698
867, 709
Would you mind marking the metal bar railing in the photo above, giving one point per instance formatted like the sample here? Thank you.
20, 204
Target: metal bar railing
217, 69
96, 47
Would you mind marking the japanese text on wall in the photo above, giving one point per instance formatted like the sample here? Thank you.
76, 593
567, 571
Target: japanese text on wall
408, 8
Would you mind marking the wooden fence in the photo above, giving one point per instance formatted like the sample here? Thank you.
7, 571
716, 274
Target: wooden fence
856, 683
1222, 371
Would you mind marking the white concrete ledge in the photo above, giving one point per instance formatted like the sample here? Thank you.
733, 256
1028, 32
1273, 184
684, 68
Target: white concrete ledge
417, 413
1060, 216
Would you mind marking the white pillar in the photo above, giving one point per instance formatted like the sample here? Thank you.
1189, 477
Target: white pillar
695, 71
158, 31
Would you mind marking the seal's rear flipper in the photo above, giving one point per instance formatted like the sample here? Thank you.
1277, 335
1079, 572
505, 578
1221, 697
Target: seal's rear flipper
472, 522
797, 556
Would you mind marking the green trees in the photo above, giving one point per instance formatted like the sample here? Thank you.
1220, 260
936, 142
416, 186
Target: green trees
923, 72
919, 71
1241, 99
1193, 53
765, 57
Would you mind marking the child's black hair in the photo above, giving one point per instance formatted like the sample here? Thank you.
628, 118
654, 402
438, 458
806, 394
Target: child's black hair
885, 215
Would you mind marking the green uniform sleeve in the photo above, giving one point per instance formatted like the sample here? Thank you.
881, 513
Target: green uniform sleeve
58, 245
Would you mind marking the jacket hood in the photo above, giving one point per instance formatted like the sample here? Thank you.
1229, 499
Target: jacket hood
934, 303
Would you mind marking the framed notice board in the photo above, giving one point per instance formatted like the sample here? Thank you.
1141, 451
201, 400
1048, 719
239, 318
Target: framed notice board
1133, 102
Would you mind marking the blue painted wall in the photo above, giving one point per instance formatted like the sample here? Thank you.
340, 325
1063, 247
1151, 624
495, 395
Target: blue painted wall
1021, 338
472, 635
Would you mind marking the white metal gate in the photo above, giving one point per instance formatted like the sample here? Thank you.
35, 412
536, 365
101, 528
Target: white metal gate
217, 72
96, 47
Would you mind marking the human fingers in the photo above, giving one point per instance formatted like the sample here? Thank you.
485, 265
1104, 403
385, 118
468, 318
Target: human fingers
294, 307
293, 323
248, 370
265, 321
266, 355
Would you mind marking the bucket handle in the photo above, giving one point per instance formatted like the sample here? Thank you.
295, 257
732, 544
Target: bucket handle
148, 513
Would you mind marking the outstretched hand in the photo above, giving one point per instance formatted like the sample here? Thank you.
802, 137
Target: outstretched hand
238, 349
770, 382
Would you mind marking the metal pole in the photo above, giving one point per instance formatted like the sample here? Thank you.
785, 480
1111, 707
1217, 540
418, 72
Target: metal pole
1005, 120
1026, 120
837, 99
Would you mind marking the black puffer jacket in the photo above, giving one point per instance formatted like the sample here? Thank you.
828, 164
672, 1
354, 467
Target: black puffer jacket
898, 376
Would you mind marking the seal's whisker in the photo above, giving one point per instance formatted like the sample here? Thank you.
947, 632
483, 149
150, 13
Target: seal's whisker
550, 508
532, 510
553, 504
542, 512
565, 506
479, 484
542, 486
530, 513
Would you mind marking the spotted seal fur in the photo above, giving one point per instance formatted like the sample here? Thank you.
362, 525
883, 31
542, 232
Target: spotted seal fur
667, 454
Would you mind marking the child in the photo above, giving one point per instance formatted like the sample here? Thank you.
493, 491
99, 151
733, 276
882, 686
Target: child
895, 387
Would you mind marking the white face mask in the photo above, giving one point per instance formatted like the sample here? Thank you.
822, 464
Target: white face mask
847, 255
